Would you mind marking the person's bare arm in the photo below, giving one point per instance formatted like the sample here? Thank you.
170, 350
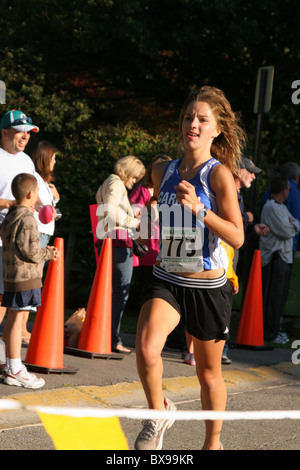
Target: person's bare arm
6, 203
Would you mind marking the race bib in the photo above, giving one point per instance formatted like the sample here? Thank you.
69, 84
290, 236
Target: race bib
182, 249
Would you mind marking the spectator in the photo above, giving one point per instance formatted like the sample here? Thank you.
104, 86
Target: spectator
292, 171
44, 159
118, 222
22, 273
15, 130
243, 178
139, 199
277, 257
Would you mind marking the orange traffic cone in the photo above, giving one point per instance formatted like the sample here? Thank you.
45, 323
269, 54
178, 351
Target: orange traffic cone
95, 336
46, 347
251, 329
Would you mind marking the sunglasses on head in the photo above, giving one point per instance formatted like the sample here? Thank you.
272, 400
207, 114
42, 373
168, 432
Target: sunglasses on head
16, 122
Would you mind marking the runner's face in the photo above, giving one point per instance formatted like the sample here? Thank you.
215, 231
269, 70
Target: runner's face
199, 126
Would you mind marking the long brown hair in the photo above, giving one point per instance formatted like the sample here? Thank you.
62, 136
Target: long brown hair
228, 146
41, 157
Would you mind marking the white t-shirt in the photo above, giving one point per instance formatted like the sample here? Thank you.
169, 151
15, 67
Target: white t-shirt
46, 197
282, 231
10, 166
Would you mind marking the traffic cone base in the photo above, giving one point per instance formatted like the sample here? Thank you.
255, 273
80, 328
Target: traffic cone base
47, 370
250, 333
91, 354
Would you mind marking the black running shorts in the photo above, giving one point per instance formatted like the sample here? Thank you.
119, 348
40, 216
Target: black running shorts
205, 311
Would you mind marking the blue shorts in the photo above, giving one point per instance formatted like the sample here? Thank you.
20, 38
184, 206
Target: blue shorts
27, 300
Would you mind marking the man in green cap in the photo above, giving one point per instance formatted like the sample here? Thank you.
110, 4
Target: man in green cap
15, 128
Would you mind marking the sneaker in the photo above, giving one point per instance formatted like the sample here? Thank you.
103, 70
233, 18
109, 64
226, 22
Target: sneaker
189, 359
23, 379
225, 359
284, 335
281, 339
151, 436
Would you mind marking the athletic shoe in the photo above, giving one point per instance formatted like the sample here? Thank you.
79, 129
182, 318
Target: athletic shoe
189, 359
225, 359
151, 436
23, 379
280, 340
284, 335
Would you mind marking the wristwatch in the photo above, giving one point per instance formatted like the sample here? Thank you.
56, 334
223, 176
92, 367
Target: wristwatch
202, 212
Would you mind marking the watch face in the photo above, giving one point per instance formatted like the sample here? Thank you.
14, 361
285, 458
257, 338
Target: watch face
203, 212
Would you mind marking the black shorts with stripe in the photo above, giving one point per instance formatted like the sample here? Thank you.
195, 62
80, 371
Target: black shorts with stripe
204, 305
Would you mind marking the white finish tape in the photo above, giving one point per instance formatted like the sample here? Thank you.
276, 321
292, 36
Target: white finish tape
153, 414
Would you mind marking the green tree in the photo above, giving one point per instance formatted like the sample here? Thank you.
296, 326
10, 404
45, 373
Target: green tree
84, 69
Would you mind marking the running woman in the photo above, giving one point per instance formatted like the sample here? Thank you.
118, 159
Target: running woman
197, 204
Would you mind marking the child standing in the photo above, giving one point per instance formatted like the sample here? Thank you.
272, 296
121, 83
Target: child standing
22, 274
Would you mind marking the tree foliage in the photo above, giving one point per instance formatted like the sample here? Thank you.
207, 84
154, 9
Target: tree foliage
85, 69
107, 59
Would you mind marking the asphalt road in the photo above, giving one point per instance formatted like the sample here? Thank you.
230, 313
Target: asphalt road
256, 380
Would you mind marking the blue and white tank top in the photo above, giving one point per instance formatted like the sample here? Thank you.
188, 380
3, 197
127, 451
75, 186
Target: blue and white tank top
186, 245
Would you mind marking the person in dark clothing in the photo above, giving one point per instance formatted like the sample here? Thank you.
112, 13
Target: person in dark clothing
243, 179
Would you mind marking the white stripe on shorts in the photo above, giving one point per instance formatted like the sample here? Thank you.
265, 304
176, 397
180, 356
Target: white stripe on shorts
188, 281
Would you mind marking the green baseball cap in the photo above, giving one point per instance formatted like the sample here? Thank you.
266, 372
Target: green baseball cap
18, 121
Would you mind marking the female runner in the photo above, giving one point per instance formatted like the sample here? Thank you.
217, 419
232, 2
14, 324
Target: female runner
196, 199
